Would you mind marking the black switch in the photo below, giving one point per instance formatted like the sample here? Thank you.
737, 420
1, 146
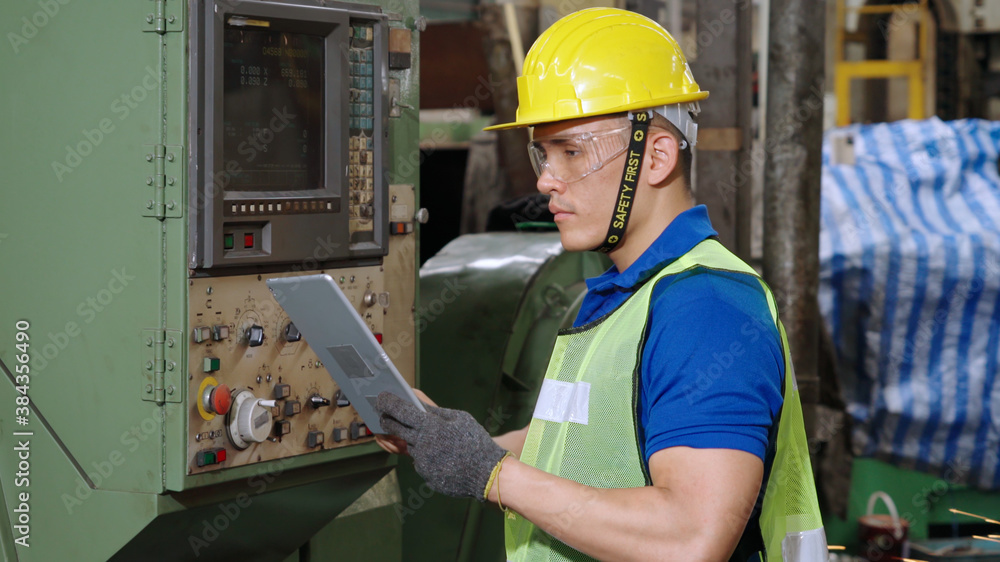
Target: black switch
282, 427
339, 434
292, 333
292, 407
317, 401
314, 439
282, 391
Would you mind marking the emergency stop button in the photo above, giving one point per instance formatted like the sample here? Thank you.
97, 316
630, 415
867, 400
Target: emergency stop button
217, 399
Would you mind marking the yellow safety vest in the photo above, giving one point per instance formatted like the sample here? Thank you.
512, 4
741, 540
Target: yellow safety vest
591, 436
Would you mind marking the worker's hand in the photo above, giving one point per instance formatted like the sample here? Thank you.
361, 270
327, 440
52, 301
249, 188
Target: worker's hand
450, 450
396, 445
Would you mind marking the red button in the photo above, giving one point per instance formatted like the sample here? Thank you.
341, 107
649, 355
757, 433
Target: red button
248, 240
221, 399
220, 455
378, 338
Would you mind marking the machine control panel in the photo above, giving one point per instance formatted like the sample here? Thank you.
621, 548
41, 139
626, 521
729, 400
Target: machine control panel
258, 392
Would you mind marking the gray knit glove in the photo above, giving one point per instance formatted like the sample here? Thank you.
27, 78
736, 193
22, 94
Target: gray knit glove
450, 450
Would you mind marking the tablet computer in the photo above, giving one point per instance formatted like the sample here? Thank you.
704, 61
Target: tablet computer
342, 341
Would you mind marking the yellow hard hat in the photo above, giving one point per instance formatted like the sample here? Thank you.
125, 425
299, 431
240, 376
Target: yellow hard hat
601, 61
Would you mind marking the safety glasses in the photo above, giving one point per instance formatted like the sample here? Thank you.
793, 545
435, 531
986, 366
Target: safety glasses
571, 158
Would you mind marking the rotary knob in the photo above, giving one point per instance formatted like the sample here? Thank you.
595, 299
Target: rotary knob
255, 335
370, 298
249, 419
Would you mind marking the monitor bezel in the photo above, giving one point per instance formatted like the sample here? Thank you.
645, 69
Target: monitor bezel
312, 230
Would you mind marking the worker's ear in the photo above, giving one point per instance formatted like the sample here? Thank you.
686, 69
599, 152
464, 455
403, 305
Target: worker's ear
662, 154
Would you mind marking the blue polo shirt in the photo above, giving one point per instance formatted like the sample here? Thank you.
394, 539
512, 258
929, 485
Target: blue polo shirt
712, 366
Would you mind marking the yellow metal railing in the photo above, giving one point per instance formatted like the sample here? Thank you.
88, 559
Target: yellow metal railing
912, 70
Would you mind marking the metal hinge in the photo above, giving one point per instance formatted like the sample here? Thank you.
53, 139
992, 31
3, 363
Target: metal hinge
167, 169
165, 16
162, 368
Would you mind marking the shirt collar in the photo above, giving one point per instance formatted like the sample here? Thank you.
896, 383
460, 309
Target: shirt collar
683, 233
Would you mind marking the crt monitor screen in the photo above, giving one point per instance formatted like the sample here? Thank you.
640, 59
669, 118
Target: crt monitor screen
272, 110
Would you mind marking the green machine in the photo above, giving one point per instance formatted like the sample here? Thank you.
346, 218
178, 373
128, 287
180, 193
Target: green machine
161, 159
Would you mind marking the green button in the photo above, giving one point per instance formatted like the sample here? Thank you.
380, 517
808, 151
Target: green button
211, 364
205, 458
227, 242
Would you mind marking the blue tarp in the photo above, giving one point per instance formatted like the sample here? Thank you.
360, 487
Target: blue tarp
909, 285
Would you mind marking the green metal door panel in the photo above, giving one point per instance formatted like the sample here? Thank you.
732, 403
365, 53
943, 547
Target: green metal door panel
110, 78
81, 264
61, 504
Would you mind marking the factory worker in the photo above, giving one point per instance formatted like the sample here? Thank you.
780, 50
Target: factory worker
668, 426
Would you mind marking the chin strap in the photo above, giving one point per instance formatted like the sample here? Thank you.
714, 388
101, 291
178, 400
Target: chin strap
630, 178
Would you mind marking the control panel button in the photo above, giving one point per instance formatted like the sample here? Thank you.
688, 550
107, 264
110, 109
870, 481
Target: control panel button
282, 427
227, 240
210, 456
292, 333
317, 401
314, 439
204, 458
370, 298
202, 333
210, 364
217, 399
282, 391
339, 434
248, 240
292, 407
221, 399
359, 430
342, 400
220, 332
254, 335
399, 228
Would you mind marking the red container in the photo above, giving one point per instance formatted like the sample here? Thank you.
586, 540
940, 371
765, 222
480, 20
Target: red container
883, 537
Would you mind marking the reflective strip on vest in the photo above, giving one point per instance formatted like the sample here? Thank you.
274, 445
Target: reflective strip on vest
603, 357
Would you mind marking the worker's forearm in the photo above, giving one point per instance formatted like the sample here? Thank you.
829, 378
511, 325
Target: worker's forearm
621, 524
513, 441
